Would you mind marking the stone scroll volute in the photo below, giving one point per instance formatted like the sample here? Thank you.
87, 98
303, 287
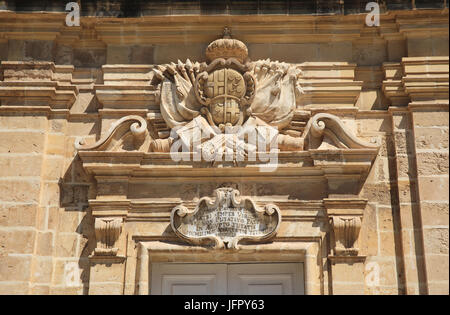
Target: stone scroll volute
225, 221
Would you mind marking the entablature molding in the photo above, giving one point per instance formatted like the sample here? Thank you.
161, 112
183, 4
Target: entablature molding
416, 79
171, 28
159, 210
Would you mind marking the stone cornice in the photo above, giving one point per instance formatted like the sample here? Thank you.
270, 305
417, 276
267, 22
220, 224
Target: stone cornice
417, 79
37, 84
205, 28
307, 163
152, 210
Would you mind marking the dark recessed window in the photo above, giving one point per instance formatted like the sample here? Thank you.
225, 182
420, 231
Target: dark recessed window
302, 7
243, 7
274, 7
156, 7
329, 7
398, 4
186, 7
130, 8
24, 5
355, 6
429, 4
213, 7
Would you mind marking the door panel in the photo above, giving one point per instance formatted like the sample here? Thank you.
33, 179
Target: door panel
238, 279
189, 279
283, 278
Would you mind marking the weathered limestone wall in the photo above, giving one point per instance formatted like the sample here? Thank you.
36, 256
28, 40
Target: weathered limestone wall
43, 221
432, 185
60, 83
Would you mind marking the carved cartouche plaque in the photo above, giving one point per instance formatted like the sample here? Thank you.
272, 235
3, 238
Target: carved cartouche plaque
225, 220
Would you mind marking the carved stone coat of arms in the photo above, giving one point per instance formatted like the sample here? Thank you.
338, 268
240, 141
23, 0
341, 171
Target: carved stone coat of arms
227, 92
230, 105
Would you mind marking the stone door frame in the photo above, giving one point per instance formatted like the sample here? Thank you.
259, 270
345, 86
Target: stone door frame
300, 251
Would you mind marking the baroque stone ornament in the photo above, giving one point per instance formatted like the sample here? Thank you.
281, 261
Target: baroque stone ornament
225, 221
226, 88
225, 92
346, 217
128, 133
216, 108
227, 47
107, 231
228, 91
327, 126
346, 231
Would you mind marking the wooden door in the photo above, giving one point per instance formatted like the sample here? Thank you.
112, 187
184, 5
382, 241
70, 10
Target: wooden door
262, 279
221, 279
189, 279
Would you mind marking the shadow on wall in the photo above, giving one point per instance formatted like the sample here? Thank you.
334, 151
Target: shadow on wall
76, 188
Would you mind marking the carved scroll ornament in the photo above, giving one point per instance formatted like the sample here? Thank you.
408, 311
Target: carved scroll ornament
131, 127
330, 126
225, 221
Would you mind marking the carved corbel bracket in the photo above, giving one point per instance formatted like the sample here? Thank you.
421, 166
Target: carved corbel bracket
345, 217
109, 218
107, 232
346, 230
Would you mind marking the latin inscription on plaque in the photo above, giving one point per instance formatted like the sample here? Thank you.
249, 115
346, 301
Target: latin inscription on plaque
226, 220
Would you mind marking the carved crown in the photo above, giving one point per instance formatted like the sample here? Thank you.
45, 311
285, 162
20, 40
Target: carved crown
227, 47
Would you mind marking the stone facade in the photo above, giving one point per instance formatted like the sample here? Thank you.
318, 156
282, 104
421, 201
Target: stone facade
89, 190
